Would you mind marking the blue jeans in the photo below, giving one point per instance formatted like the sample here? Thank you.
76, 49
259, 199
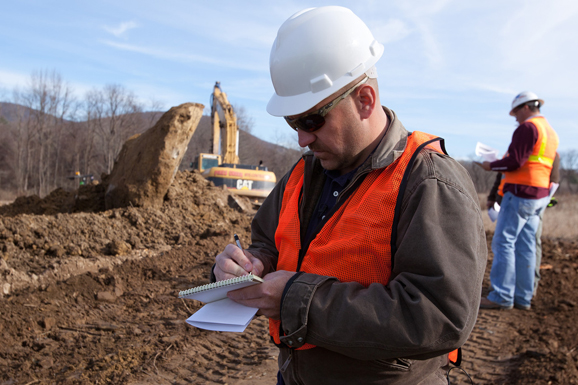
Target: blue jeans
514, 247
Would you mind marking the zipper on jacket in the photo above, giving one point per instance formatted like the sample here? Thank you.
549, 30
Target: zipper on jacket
287, 361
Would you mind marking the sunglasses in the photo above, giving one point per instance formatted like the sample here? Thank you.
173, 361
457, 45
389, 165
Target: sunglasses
314, 121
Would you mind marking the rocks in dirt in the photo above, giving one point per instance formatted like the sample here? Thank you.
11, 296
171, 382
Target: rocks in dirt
48, 323
46, 362
57, 251
242, 204
147, 163
117, 247
105, 296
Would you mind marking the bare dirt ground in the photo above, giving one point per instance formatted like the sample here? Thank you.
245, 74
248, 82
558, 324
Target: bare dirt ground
89, 296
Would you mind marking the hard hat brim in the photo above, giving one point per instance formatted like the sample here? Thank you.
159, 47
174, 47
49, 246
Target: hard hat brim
298, 104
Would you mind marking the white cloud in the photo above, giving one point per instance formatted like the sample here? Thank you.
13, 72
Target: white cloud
391, 31
187, 58
10, 80
498, 89
121, 28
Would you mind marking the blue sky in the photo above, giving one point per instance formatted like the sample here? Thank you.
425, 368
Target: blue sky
450, 68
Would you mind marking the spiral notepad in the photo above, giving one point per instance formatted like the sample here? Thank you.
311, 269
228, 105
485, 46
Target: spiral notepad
218, 290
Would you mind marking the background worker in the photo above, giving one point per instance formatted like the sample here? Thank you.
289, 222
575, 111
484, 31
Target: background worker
527, 168
495, 196
372, 247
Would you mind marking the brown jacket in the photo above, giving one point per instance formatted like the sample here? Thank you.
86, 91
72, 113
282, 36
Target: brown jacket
399, 333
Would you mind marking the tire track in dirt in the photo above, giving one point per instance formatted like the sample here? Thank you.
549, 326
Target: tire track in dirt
227, 358
487, 356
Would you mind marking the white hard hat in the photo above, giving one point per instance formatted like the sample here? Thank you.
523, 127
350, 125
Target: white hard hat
524, 97
317, 52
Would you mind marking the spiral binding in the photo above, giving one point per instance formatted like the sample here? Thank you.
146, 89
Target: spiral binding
214, 285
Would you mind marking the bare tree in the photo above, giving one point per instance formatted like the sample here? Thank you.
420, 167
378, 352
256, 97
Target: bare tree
569, 170
111, 111
22, 136
245, 122
7, 156
155, 111
43, 143
48, 100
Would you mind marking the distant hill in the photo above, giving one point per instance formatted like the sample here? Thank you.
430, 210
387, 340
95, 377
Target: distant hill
9, 111
277, 158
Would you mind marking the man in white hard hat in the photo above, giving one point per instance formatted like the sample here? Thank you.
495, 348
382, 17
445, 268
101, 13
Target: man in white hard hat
372, 247
526, 167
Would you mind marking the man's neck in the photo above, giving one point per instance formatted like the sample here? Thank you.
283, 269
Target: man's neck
532, 115
371, 147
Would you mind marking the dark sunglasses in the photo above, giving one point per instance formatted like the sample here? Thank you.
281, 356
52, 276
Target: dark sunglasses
314, 121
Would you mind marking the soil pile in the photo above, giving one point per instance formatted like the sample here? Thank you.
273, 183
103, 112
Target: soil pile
89, 296
39, 242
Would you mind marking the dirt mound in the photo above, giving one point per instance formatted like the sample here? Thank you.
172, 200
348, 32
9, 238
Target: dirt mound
44, 243
89, 296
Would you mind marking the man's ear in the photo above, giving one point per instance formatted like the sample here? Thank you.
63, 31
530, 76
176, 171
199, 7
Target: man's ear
366, 101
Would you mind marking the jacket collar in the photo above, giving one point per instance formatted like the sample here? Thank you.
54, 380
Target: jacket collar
392, 144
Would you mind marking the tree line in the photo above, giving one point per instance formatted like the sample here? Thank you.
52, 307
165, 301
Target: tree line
50, 138
48, 135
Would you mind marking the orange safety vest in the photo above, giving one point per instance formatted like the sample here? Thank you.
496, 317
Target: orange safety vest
536, 171
355, 244
501, 186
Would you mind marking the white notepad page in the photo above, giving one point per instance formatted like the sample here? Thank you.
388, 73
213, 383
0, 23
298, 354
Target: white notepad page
224, 315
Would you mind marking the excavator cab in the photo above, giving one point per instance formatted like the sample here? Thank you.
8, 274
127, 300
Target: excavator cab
205, 162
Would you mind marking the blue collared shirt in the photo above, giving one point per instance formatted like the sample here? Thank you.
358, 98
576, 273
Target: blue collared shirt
334, 185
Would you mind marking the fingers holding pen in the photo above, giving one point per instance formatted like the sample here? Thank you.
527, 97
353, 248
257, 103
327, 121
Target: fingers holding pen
234, 262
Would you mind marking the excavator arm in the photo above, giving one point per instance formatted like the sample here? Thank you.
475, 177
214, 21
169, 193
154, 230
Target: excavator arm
224, 119
254, 182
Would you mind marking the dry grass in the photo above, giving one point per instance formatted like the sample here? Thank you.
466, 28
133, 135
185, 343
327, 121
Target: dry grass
560, 221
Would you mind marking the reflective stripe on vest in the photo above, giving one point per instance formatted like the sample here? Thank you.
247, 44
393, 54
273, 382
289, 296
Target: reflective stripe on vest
340, 249
536, 171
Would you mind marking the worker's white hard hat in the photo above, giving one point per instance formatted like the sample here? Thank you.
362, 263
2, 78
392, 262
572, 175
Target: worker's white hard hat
524, 97
317, 52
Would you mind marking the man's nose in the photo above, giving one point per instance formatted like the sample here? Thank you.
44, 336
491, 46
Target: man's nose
305, 138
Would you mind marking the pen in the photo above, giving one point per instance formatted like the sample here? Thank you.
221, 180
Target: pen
238, 241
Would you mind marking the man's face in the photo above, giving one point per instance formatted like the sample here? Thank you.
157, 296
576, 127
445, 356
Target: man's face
522, 113
339, 143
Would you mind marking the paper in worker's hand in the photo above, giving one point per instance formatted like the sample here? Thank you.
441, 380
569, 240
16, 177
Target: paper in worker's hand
553, 188
487, 153
494, 211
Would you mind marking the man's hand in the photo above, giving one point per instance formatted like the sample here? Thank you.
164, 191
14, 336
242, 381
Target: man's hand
490, 204
485, 165
265, 296
234, 262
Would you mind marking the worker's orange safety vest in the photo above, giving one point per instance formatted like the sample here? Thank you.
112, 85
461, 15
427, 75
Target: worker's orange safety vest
354, 245
501, 186
536, 171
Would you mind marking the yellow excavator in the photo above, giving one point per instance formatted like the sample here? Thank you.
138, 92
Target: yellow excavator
254, 182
